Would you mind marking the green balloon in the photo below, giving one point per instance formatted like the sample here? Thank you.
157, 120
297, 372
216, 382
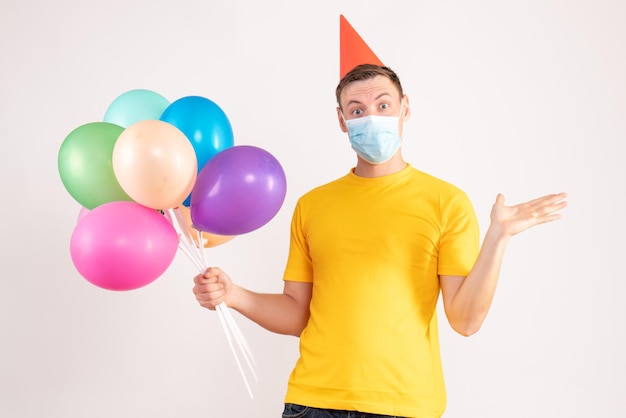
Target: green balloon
86, 167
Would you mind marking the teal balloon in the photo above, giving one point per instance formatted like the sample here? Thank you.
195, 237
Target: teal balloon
135, 106
86, 167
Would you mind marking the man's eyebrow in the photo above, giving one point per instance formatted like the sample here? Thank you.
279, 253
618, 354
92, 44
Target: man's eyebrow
354, 101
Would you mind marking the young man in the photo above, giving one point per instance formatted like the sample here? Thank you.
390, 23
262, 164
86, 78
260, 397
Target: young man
369, 254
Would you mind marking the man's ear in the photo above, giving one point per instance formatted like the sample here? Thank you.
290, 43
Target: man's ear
406, 108
342, 123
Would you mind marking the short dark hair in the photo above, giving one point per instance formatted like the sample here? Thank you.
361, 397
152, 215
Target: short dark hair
365, 72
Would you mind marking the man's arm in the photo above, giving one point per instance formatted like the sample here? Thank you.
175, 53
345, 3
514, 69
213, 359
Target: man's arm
283, 313
468, 299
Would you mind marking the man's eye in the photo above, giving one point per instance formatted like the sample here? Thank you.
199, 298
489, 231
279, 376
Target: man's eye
356, 112
384, 105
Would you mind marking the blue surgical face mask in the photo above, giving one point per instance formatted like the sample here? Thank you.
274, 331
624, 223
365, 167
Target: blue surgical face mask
374, 138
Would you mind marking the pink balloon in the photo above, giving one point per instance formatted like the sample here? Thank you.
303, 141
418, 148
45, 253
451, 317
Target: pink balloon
81, 214
123, 245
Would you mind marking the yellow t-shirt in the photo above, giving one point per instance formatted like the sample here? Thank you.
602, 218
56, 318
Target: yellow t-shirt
374, 249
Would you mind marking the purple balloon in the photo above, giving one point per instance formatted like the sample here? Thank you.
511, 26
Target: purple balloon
239, 190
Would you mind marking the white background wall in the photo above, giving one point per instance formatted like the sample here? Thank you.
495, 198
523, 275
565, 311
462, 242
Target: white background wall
523, 98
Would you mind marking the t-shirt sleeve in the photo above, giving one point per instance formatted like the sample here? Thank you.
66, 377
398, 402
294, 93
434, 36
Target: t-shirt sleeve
460, 239
299, 266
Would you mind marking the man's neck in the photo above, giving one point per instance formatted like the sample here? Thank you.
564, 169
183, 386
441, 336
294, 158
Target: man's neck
365, 169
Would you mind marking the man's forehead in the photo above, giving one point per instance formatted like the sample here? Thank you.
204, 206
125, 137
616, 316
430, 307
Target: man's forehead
375, 87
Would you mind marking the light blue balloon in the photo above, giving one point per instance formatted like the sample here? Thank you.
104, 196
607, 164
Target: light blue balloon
135, 106
204, 124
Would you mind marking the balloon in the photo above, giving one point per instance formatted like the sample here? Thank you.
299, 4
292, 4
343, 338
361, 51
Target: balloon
81, 214
210, 240
155, 164
85, 211
237, 191
134, 106
204, 124
123, 245
84, 163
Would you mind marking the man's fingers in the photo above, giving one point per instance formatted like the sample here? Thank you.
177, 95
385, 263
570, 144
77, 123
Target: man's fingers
550, 205
208, 287
548, 199
205, 277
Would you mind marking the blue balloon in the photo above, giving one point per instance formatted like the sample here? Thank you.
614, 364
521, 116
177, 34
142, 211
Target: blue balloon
204, 123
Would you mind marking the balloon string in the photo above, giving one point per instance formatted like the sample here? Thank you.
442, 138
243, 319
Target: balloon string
192, 246
229, 324
187, 251
221, 312
241, 341
202, 250
182, 225
226, 319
